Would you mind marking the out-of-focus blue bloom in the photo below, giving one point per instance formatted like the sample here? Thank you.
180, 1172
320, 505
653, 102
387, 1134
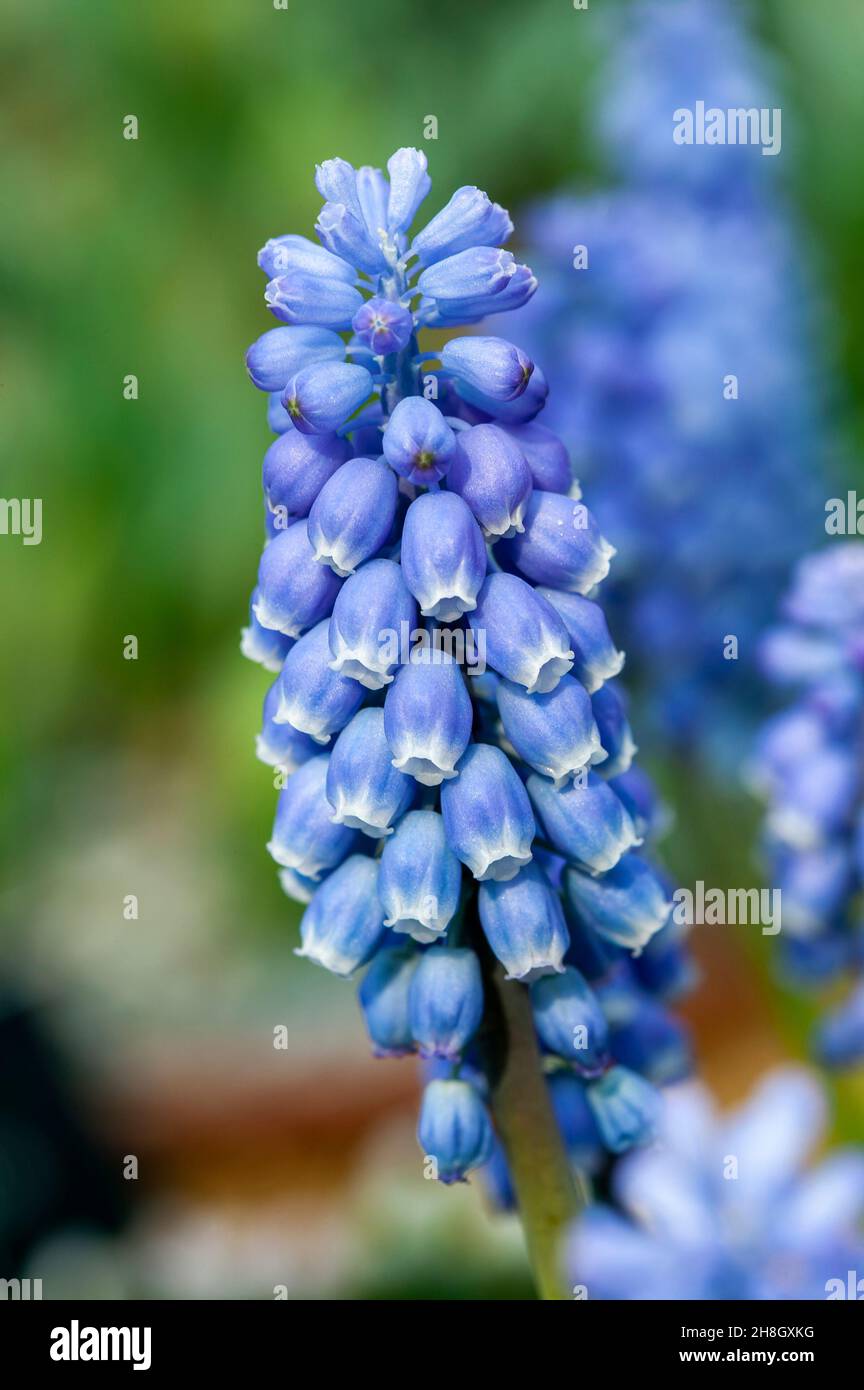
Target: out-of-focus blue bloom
383, 997
526, 641
420, 877
524, 924
427, 717
294, 591
363, 787
366, 626
627, 905
418, 442
352, 516
809, 766
401, 479
585, 821
555, 733
725, 1209
305, 836
343, 926
443, 555
489, 472
487, 814
454, 1129
446, 1001
626, 1108
570, 1021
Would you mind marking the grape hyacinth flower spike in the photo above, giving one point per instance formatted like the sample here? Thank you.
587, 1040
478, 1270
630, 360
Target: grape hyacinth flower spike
436, 712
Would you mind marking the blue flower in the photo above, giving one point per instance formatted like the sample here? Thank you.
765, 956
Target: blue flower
443, 555
274, 357
526, 641
383, 997
446, 1001
294, 592
626, 1108
363, 787
343, 927
420, 877
487, 814
418, 443
296, 467
427, 717
585, 821
383, 326
489, 472
556, 734
524, 924
353, 514
454, 1130
310, 299
373, 611
313, 698
570, 1021
491, 366
627, 905
263, 644
305, 836
320, 398
280, 745
560, 545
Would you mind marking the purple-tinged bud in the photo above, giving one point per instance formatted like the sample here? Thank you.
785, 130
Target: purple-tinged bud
342, 927
372, 613
322, 397
446, 1002
520, 410
456, 313
487, 814
428, 716
454, 1129
626, 1108
279, 353
344, 232
312, 698
561, 545
296, 467
489, 472
418, 442
627, 905
304, 836
524, 924
294, 591
476, 273
364, 789
526, 640
443, 555
587, 823
383, 326
469, 219
263, 644
420, 877
283, 254
491, 366
596, 658
615, 735
545, 454
307, 299
555, 733
279, 745
409, 185
352, 516
383, 997
570, 1021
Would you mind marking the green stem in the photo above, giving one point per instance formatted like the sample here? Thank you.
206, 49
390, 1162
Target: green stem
545, 1186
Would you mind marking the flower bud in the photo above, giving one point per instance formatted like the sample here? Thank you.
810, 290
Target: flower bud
569, 1020
320, 398
490, 474
342, 927
283, 254
409, 185
420, 877
487, 814
519, 410
278, 419
596, 658
383, 997
294, 591
626, 1108
418, 442
279, 745
443, 555
279, 353
561, 545
627, 905
446, 1001
454, 1129
384, 326
585, 821
304, 836
491, 366
297, 887
615, 735
296, 467
263, 644
469, 219
524, 924
344, 232
479, 271
555, 733
352, 516
576, 1121
312, 698
545, 454
372, 612
427, 717
308, 299
363, 787
526, 641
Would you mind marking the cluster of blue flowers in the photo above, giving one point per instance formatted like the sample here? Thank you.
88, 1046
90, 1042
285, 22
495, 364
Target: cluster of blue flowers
683, 376
809, 765
727, 1210
460, 787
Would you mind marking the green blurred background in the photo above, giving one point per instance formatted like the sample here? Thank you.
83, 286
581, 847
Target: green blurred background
258, 1167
